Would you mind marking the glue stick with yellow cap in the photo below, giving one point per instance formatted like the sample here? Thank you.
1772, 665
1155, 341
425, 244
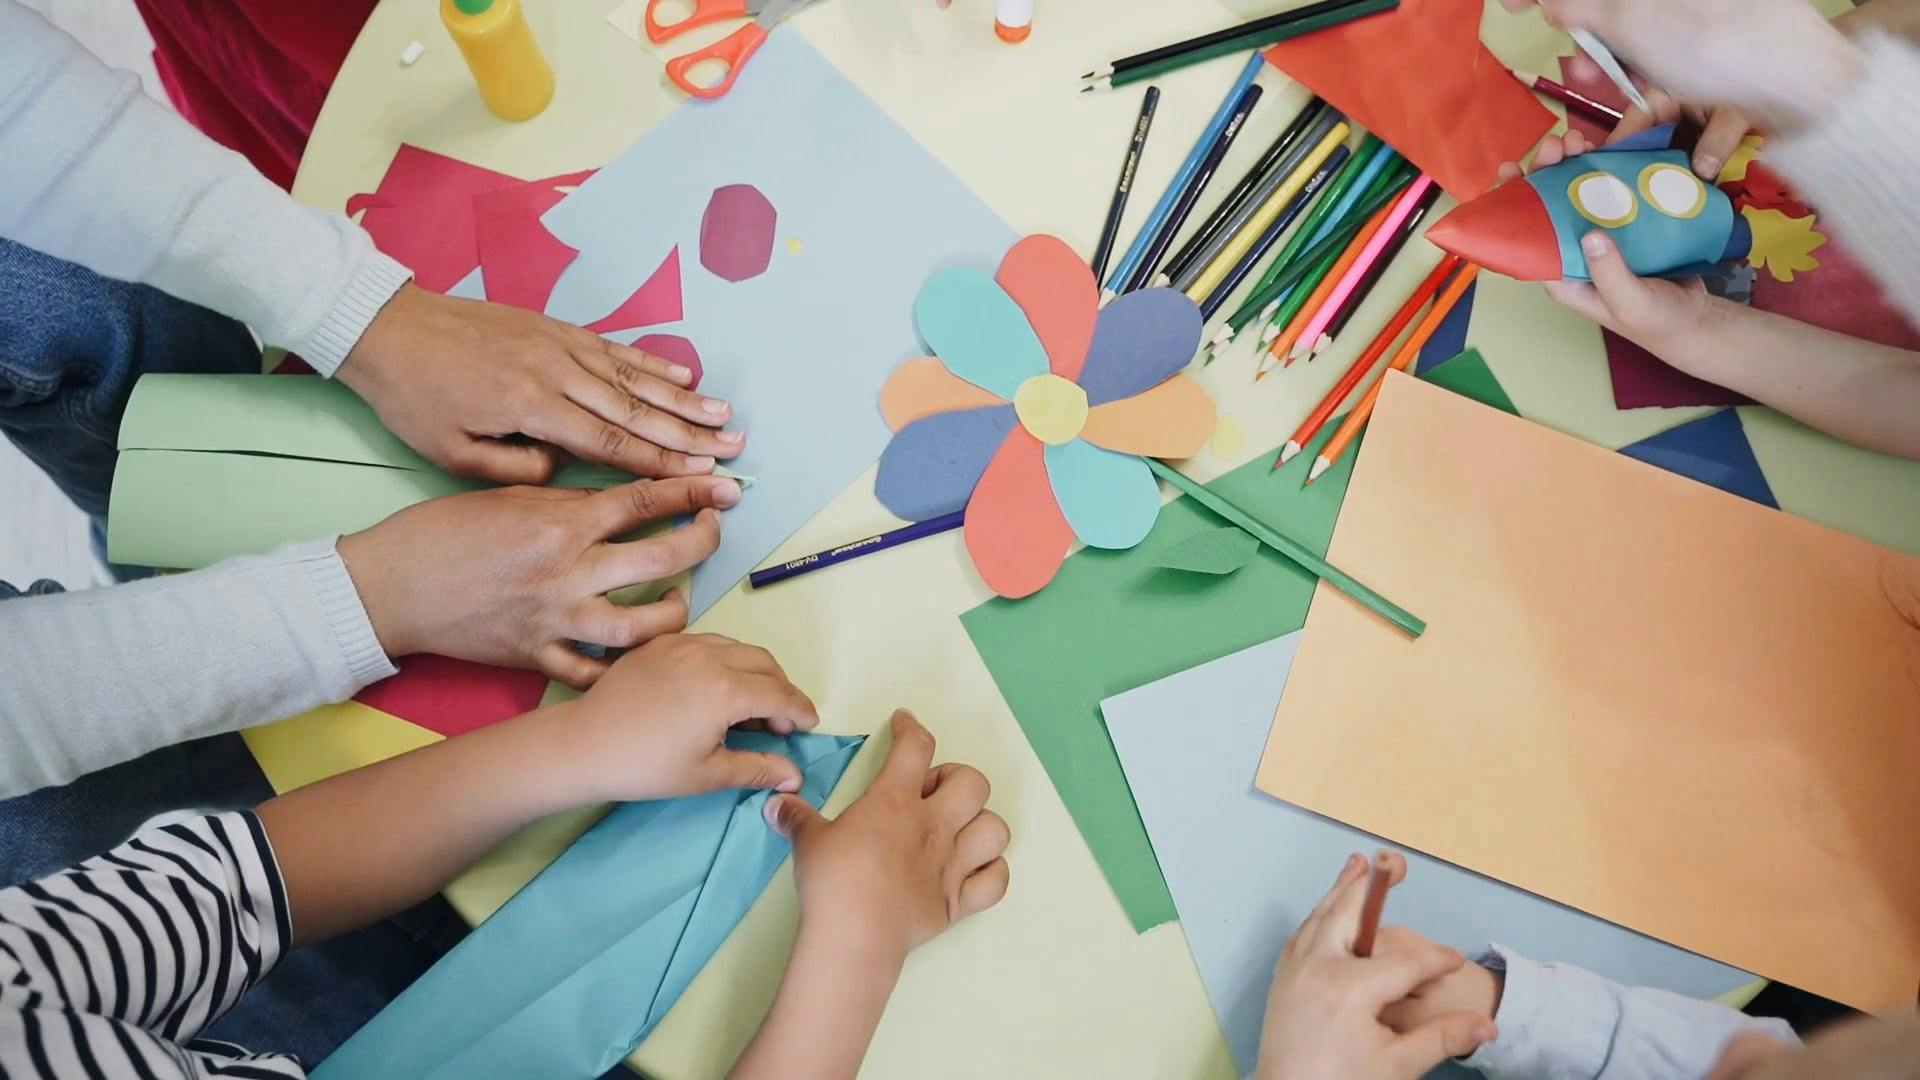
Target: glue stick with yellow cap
1013, 19
493, 35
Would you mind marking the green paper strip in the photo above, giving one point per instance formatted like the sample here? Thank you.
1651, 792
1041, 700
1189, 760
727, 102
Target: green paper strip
1299, 553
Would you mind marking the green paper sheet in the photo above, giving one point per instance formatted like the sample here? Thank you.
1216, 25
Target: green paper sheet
1469, 376
1112, 620
1221, 551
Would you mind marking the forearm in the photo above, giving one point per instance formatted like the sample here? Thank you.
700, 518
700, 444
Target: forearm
1898, 17
1857, 390
102, 676
830, 1001
94, 172
357, 847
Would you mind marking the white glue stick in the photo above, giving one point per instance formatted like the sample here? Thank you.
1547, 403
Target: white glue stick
1013, 19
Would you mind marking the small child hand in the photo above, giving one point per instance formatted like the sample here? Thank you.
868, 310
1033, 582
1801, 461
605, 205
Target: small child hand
1468, 988
655, 725
915, 854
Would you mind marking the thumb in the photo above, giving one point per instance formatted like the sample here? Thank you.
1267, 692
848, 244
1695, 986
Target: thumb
793, 817
752, 769
1624, 293
1453, 1035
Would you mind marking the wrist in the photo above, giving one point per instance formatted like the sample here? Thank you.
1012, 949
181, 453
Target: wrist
379, 593
862, 948
363, 368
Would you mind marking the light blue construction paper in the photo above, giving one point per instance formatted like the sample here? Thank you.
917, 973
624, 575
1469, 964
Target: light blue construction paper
978, 331
1110, 499
931, 465
1139, 341
1653, 243
1245, 868
801, 350
567, 978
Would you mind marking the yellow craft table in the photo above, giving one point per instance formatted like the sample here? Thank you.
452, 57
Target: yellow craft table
1054, 981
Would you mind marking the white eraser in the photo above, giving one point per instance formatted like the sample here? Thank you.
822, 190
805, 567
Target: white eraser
411, 53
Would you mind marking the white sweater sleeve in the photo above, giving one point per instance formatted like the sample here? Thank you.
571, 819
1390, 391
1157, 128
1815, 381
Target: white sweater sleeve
94, 172
102, 676
1560, 1022
1860, 165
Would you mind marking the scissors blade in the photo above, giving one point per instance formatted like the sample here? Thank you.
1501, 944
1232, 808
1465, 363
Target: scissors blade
774, 12
1598, 52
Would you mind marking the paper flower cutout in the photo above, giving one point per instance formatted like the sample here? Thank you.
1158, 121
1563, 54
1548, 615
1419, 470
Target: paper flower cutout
1036, 408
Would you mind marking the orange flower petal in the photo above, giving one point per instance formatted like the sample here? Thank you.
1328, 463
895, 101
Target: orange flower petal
1172, 420
1056, 290
1015, 531
922, 387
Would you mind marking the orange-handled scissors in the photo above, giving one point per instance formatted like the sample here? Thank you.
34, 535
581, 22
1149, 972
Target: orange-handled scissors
733, 50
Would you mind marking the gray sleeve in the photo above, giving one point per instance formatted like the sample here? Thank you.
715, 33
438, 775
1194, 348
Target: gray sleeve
1858, 166
1559, 1022
89, 679
94, 172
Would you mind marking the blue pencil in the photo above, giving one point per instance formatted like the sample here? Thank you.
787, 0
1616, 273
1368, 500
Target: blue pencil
1195, 186
1138, 249
1271, 237
1383, 156
845, 552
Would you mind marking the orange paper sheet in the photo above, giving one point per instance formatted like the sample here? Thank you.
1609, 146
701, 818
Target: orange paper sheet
1419, 78
1637, 695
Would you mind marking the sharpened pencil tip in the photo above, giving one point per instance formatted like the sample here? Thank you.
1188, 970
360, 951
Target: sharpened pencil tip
1300, 349
1290, 451
1087, 89
1320, 465
1088, 75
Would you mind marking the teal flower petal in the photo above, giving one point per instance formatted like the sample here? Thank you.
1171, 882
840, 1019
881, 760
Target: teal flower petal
1110, 499
975, 328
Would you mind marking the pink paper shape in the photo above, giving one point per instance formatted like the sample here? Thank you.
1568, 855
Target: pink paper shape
736, 233
1642, 380
654, 302
421, 214
453, 697
519, 259
675, 349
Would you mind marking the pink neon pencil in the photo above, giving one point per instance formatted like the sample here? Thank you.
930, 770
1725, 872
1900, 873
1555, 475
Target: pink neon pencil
1310, 335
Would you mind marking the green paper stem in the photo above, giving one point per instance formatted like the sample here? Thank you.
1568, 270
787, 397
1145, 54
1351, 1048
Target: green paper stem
1313, 564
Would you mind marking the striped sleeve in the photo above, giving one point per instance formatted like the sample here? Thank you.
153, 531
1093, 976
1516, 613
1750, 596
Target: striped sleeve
114, 967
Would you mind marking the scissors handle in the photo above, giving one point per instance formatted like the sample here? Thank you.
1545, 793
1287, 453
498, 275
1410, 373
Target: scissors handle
704, 12
732, 50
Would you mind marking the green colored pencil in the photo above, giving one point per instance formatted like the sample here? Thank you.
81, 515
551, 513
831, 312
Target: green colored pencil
1253, 39
1293, 298
1349, 173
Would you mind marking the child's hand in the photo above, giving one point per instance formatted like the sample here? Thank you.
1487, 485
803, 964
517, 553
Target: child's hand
655, 725
1324, 1012
510, 576
915, 854
1469, 988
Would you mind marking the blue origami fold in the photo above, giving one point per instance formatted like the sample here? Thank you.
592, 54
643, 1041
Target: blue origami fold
576, 969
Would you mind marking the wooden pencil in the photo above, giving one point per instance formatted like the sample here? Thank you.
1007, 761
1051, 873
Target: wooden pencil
1377, 269
1285, 171
1328, 282
1575, 101
1129, 167
1357, 9
1373, 905
1222, 264
1196, 184
1364, 362
1243, 192
1350, 427
1231, 33
1271, 238
1308, 340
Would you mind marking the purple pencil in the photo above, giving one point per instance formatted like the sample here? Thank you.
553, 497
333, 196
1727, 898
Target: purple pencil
806, 564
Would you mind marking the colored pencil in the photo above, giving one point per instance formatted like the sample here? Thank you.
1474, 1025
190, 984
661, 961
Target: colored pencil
1242, 196
1161, 209
1371, 279
1197, 183
1364, 362
1598, 111
1269, 239
820, 560
1301, 555
1309, 312
1216, 271
1372, 906
1110, 229
1350, 427
1300, 23
1231, 33
1609, 65
1283, 171
1308, 340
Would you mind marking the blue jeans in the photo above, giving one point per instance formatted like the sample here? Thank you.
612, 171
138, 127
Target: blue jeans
72, 344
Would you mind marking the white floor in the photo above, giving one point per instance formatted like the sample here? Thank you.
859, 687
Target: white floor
42, 535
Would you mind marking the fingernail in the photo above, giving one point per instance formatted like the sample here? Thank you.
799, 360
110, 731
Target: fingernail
674, 594
1707, 166
770, 810
733, 438
680, 372
698, 463
790, 784
713, 405
1594, 243
726, 492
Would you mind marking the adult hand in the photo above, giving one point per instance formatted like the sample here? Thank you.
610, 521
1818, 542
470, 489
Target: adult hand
1324, 1012
510, 576
655, 725
916, 853
1776, 59
1722, 129
466, 383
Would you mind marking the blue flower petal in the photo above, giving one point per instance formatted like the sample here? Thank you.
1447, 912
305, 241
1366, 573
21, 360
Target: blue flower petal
1142, 339
931, 466
1110, 499
975, 328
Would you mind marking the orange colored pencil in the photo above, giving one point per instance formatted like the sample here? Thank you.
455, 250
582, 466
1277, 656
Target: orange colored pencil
1364, 362
1402, 360
1284, 343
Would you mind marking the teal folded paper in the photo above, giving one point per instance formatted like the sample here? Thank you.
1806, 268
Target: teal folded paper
567, 978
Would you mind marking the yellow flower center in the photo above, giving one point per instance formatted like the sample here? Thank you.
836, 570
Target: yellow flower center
1052, 408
